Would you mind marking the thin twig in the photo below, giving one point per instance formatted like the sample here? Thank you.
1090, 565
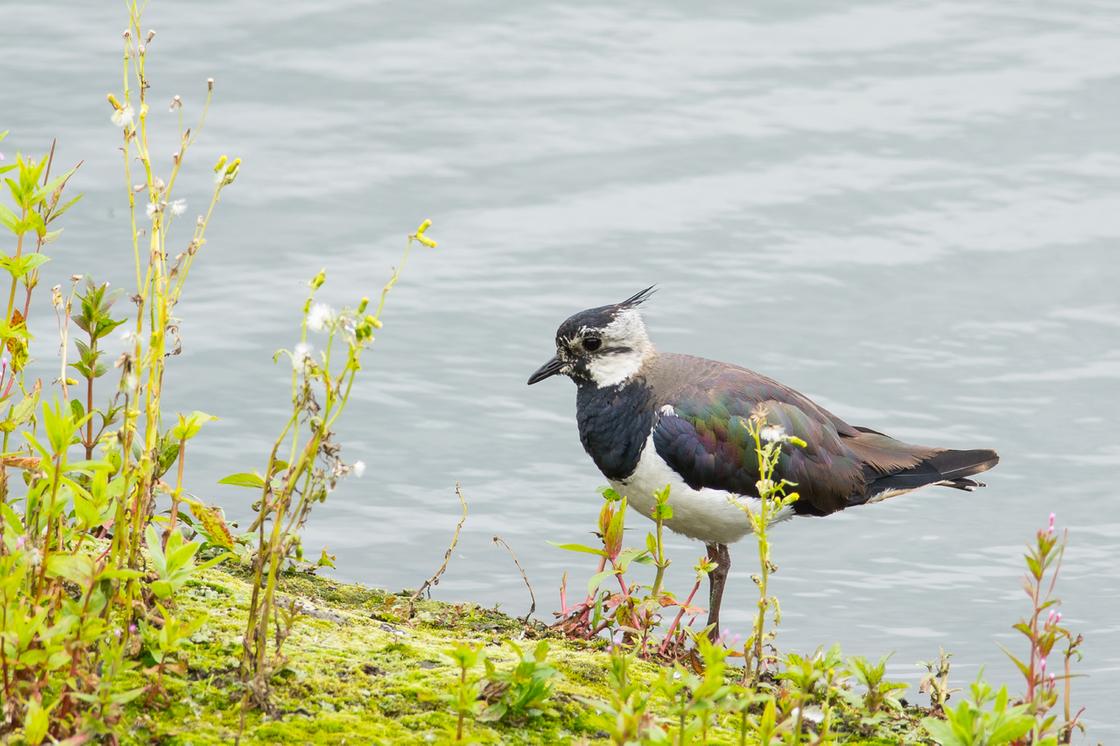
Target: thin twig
532, 596
434, 580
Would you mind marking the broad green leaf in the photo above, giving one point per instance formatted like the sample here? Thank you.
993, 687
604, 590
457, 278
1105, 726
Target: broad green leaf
77, 568
244, 479
597, 579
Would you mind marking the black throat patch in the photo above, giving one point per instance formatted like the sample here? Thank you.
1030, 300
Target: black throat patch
614, 422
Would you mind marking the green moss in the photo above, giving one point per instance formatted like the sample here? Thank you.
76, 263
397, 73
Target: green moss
358, 673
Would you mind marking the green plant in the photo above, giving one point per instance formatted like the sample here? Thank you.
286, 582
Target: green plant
95, 319
465, 698
633, 612
812, 680
1044, 562
970, 724
765, 728
880, 692
304, 464
522, 692
697, 700
164, 641
629, 713
773, 499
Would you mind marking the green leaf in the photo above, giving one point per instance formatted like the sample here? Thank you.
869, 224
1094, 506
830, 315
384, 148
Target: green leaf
22, 412
190, 424
36, 722
9, 219
86, 512
597, 579
161, 588
77, 568
18, 267
244, 479
215, 560
577, 548
941, 732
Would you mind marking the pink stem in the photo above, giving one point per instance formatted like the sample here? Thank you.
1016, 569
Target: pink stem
680, 614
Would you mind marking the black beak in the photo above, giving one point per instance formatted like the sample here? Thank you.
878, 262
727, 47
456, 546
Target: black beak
549, 369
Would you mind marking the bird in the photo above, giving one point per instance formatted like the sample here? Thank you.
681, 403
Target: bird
649, 419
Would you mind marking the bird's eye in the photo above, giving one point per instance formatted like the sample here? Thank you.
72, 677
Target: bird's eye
592, 343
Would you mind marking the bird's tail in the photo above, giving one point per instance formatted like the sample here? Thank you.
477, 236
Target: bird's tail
945, 468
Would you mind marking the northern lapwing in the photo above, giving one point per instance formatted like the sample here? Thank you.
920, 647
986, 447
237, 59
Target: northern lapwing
650, 418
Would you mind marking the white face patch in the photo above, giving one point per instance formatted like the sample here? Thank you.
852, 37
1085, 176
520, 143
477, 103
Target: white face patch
626, 331
613, 368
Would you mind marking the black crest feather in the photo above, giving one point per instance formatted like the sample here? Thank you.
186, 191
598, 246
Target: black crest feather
639, 298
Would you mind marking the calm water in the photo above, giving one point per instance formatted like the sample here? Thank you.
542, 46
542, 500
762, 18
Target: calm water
909, 214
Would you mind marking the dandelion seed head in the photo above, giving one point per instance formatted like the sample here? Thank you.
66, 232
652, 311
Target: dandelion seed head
178, 207
359, 468
773, 434
319, 317
301, 354
122, 117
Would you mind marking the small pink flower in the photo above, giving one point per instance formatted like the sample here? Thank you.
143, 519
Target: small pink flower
1057, 617
20, 542
1050, 530
728, 639
1042, 664
132, 629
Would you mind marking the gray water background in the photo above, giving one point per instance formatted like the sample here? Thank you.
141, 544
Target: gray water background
908, 211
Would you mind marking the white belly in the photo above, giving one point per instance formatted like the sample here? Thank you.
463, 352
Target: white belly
711, 516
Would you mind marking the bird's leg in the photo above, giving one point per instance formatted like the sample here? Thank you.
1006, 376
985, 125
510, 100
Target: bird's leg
721, 556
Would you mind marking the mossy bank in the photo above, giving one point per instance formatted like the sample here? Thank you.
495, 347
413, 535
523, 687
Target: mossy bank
358, 673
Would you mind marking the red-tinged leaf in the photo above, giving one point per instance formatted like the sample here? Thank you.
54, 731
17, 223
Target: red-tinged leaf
213, 524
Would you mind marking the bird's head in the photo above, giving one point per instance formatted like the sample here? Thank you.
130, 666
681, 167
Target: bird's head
603, 346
